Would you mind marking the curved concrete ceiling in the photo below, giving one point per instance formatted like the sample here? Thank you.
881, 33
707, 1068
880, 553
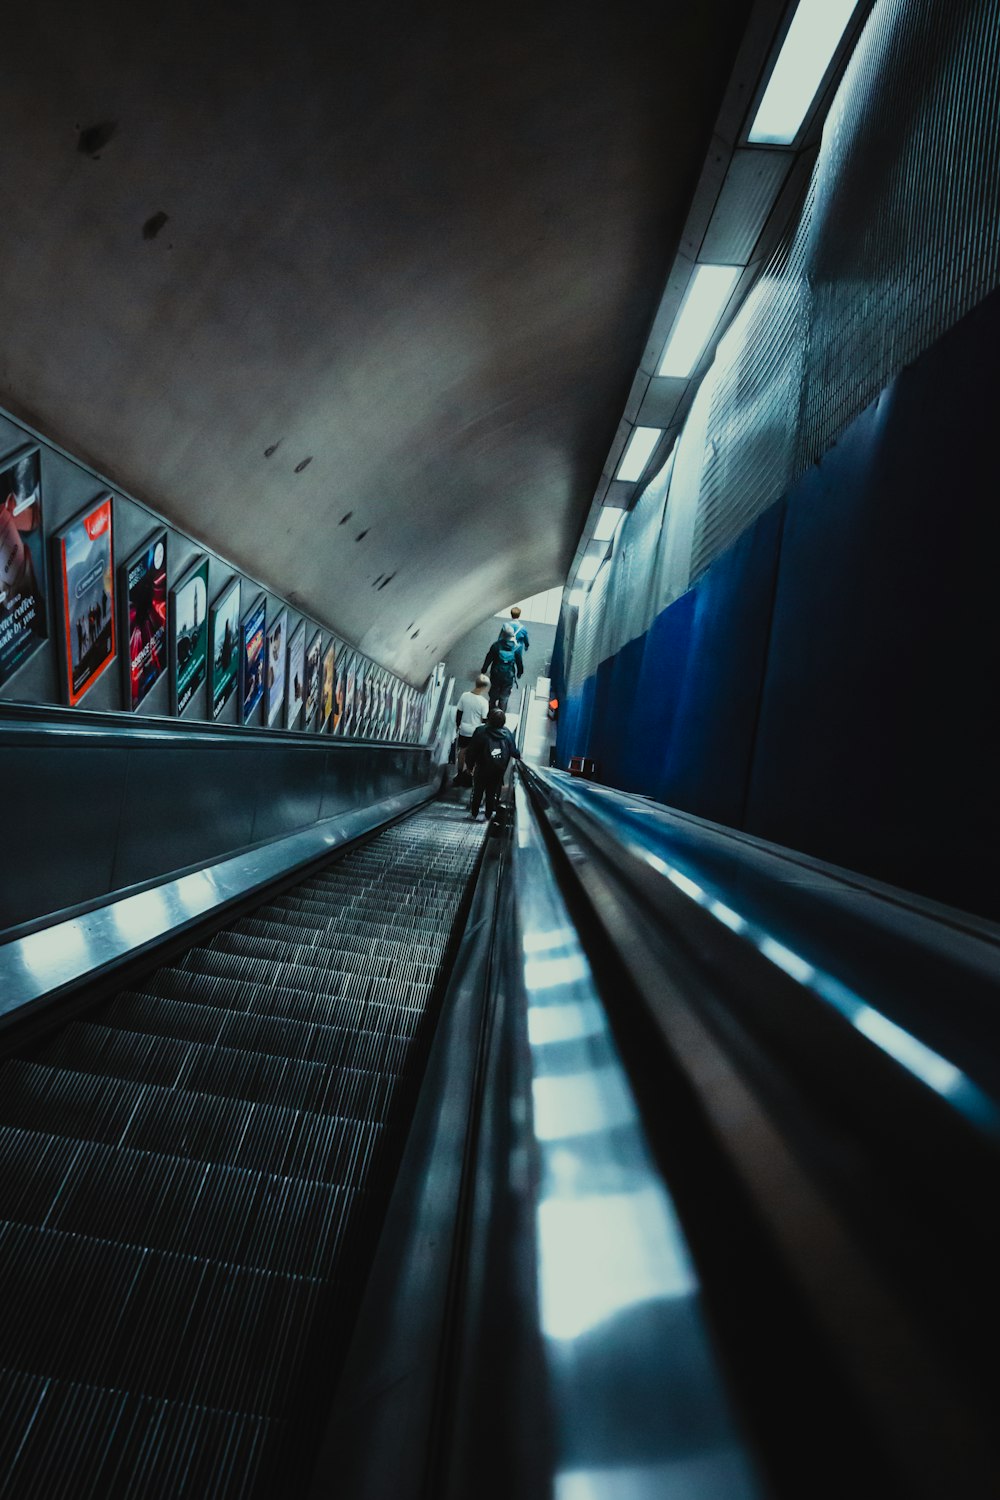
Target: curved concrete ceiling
353, 295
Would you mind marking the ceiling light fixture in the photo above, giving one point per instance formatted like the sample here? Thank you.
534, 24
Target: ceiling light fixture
607, 523
590, 566
708, 292
636, 455
813, 38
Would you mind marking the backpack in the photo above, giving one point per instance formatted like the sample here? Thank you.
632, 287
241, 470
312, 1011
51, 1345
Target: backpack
506, 658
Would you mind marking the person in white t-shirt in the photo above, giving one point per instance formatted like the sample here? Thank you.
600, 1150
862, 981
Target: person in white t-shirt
471, 713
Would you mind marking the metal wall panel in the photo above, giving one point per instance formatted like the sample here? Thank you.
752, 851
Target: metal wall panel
898, 238
99, 806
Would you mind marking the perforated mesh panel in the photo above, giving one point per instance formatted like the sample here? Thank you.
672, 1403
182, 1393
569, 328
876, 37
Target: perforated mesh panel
897, 240
750, 453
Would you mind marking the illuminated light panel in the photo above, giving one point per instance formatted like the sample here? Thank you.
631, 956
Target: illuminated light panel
576, 598
813, 38
636, 455
607, 523
710, 289
589, 567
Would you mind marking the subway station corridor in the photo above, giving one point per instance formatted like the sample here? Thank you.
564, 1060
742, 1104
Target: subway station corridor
499, 913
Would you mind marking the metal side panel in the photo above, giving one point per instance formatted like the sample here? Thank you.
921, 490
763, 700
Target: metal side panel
66, 953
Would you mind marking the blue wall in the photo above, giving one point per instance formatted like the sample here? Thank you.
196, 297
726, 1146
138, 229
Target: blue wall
830, 681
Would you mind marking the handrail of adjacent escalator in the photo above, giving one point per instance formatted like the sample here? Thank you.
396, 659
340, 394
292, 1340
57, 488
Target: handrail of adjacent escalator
793, 1013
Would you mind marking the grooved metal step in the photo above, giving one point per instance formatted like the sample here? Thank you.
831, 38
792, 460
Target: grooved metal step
186, 1181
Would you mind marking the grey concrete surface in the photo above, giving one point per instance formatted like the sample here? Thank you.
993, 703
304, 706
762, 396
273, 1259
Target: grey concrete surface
353, 295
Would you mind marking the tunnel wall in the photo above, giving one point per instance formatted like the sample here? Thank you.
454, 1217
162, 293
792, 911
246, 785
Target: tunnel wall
68, 487
828, 682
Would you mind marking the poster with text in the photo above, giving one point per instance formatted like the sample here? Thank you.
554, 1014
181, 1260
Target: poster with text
252, 660
313, 678
296, 663
86, 592
328, 712
189, 634
143, 586
224, 646
23, 616
274, 680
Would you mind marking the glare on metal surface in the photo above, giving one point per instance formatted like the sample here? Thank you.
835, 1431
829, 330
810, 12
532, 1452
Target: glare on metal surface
562, 1023
710, 289
568, 1105
812, 39
607, 523
936, 1071
601, 1253
636, 455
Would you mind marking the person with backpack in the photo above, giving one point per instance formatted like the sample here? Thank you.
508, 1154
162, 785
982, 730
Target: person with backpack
489, 754
504, 665
520, 631
469, 716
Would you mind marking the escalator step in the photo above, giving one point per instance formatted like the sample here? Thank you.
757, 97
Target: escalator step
255, 1219
83, 1106
285, 999
164, 1325
67, 1441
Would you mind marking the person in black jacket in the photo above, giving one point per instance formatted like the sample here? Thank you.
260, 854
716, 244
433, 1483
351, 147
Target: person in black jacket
489, 754
503, 663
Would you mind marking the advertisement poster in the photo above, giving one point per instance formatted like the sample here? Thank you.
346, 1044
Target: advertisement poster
329, 715
224, 650
348, 673
23, 616
296, 661
143, 585
86, 592
314, 681
189, 638
275, 672
252, 660
378, 705
361, 674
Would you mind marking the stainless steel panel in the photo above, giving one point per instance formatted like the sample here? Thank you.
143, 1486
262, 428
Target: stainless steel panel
61, 814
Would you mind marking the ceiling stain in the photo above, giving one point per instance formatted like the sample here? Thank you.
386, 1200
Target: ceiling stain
153, 225
96, 137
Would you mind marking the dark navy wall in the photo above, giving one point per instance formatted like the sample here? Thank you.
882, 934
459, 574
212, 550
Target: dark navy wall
830, 681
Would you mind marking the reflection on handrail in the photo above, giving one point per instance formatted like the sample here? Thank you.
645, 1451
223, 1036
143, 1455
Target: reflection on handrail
618, 1294
922, 1062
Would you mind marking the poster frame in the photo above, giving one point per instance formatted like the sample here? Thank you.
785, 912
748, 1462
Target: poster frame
215, 611
125, 623
60, 539
201, 564
296, 639
259, 606
274, 702
34, 639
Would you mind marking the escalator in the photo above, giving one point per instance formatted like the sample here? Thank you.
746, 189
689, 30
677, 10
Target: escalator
192, 1175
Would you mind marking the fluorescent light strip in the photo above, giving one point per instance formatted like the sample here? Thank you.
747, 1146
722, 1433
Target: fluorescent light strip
576, 598
813, 37
589, 567
636, 455
708, 292
607, 523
